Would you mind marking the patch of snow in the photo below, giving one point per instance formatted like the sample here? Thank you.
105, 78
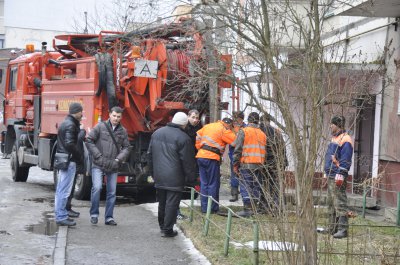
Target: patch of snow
197, 257
268, 245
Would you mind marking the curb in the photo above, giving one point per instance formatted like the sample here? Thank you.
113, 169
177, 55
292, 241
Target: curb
60, 246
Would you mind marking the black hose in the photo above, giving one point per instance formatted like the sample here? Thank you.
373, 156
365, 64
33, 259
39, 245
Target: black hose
101, 69
112, 99
37, 82
52, 61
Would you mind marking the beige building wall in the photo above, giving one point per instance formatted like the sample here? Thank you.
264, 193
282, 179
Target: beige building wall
182, 11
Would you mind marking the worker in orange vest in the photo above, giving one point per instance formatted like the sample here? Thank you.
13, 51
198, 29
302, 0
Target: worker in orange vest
338, 159
211, 141
248, 160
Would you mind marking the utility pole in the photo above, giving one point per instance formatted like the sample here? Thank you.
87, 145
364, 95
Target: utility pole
85, 31
211, 65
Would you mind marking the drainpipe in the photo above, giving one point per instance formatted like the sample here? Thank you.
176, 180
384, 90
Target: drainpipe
382, 107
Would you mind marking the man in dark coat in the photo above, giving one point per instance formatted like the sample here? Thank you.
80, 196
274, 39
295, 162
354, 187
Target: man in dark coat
79, 170
193, 125
191, 129
67, 143
107, 157
275, 163
172, 164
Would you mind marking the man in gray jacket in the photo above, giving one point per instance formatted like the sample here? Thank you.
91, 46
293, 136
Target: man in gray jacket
107, 157
172, 163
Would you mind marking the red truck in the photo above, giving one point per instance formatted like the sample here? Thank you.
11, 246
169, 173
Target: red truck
151, 73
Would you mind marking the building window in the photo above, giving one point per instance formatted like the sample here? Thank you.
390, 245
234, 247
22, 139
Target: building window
2, 40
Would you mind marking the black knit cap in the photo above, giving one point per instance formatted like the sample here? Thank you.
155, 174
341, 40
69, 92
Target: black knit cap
253, 118
75, 107
339, 121
238, 114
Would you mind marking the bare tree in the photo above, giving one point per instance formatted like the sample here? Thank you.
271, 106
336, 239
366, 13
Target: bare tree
123, 16
291, 76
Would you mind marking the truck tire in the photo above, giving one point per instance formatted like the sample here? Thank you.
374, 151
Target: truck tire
83, 187
18, 173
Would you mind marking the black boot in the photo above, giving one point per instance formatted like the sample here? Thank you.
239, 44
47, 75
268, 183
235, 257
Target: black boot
247, 211
343, 226
333, 224
235, 194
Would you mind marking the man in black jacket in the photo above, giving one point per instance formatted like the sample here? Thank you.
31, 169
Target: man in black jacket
193, 125
274, 169
172, 163
79, 170
67, 143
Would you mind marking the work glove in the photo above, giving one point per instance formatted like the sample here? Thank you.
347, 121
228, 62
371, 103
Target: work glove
339, 179
115, 165
236, 168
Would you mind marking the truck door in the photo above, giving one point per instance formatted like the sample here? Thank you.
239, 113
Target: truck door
13, 108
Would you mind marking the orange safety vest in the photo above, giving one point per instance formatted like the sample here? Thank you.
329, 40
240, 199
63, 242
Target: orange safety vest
253, 146
342, 138
213, 135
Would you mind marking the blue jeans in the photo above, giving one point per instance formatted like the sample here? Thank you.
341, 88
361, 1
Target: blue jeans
209, 182
97, 184
64, 186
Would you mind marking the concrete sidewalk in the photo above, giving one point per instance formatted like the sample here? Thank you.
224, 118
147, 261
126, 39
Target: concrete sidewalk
135, 240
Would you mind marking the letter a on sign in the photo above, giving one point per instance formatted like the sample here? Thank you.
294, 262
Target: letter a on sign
146, 68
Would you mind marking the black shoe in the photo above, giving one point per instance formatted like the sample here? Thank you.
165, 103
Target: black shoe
66, 222
170, 234
94, 220
73, 214
110, 222
181, 217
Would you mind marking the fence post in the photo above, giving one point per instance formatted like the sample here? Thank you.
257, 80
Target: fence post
398, 208
364, 201
255, 243
191, 204
207, 223
228, 232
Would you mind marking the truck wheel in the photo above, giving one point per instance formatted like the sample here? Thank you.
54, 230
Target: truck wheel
18, 173
83, 187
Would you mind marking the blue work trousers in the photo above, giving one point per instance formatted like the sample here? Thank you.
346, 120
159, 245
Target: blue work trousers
250, 185
234, 178
209, 182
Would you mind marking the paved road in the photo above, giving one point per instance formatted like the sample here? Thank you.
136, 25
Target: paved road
26, 211
23, 206
135, 240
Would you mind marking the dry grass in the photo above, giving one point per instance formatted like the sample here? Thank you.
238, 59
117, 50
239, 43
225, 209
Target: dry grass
368, 242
